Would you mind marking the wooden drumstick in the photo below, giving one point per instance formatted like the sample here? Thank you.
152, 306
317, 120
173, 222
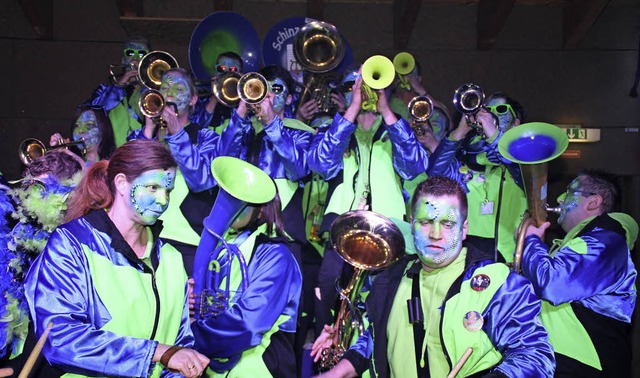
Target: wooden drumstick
24, 373
460, 363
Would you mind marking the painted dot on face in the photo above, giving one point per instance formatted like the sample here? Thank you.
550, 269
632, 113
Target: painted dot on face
175, 88
149, 195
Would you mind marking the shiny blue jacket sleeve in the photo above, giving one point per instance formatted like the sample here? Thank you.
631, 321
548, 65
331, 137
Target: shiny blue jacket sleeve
359, 354
195, 160
410, 158
443, 161
273, 290
200, 115
328, 146
601, 276
58, 290
291, 145
514, 328
107, 96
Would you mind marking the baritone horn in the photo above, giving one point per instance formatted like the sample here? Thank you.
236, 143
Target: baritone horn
404, 63
468, 99
377, 73
32, 148
369, 242
420, 109
153, 65
532, 145
252, 88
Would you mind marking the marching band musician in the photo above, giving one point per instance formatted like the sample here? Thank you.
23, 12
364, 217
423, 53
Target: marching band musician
100, 326
194, 149
494, 184
120, 98
425, 311
364, 163
254, 336
587, 280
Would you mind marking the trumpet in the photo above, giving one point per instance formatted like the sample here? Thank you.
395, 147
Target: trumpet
116, 71
468, 100
32, 148
252, 88
153, 65
151, 104
225, 89
420, 109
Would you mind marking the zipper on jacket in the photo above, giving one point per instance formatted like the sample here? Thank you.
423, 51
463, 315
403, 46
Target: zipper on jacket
157, 296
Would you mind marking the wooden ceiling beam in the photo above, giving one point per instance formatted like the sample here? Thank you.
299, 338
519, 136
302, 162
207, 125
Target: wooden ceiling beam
578, 17
405, 13
315, 9
39, 13
492, 15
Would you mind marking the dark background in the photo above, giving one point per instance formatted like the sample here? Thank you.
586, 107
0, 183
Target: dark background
568, 62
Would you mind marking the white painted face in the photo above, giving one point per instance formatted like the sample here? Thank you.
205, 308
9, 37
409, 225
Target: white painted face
149, 195
438, 230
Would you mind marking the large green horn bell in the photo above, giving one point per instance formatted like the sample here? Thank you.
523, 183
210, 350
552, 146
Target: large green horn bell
378, 72
533, 143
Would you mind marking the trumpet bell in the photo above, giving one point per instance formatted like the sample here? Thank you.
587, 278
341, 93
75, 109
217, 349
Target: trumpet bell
151, 103
31, 149
378, 72
318, 47
252, 88
404, 63
367, 240
153, 65
468, 98
225, 88
533, 143
420, 108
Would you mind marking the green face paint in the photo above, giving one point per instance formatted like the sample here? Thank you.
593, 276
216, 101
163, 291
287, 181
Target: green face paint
149, 196
175, 88
438, 230
86, 128
281, 92
569, 200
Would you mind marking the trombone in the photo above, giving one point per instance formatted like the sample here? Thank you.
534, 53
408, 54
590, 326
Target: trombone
32, 148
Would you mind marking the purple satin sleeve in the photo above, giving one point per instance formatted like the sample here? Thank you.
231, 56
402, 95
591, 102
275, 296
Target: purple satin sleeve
59, 290
601, 278
359, 354
200, 115
274, 290
195, 160
329, 145
107, 96
514, 328
443, 162
410, 158
291, 145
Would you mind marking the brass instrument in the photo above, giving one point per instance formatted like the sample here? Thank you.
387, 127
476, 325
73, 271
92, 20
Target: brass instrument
404, 63
117, 70
420, 109
468, 100
378, 72
225, 89
253, 88
153, 65
319, 48
532, 145
369, 242
151, 104
32, 148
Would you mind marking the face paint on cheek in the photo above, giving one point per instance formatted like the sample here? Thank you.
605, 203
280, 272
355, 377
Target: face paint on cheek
280, 99
176, 89
570, 202
440, 239
149, 195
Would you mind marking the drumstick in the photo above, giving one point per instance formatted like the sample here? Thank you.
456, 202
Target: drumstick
24, 373
460, 363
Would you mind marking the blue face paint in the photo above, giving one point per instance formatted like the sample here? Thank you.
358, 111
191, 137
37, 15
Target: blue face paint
438, 230
149, 196
348, 78
505, 121
175, 88
568, 200
227, 64
87, 127
280, 99
134, 51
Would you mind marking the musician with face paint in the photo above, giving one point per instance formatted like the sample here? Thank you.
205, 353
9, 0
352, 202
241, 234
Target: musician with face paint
194, 149
364, 156
494, 184
427, 309
119, 99
587, 280
112, 289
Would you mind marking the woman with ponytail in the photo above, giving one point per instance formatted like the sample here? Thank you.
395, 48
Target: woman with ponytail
107, 283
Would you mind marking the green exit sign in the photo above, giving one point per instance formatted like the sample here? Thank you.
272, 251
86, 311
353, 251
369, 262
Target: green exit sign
582, 135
